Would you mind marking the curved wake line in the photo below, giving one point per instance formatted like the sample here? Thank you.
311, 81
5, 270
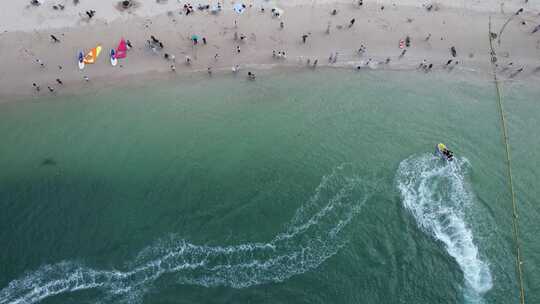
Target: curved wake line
436, 194
315, 233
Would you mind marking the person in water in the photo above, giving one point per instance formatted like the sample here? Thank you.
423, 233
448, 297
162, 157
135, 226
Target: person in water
447, 153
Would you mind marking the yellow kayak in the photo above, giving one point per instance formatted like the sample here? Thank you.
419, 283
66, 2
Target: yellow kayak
92, 55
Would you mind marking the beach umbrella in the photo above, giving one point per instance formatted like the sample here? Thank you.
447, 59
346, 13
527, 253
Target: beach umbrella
194, 37
239, 8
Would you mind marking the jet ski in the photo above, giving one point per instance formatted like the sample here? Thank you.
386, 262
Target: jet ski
443, 152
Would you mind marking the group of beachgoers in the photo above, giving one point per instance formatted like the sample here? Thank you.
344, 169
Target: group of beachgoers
157, 46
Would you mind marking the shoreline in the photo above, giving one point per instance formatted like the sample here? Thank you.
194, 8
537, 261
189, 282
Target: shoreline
149, 80
379, 30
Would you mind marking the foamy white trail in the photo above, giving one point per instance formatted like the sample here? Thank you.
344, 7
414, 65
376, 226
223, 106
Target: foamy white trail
314, 234
436, 193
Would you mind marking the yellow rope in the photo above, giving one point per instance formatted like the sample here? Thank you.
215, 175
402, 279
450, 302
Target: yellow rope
515, 226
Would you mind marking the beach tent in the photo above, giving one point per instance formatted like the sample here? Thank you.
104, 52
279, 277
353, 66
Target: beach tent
121, 50
92, 55
239, 8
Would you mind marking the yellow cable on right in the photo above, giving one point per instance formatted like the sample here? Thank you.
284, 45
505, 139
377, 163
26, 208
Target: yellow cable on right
515, 226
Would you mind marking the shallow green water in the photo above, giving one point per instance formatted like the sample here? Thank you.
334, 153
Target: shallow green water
297, 188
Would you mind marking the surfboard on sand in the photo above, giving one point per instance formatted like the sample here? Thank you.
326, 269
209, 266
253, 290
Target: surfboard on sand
81, 61
114, 61
121, 50
92, 55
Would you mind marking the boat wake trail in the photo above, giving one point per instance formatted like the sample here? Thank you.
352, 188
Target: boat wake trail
315, 233
437, 195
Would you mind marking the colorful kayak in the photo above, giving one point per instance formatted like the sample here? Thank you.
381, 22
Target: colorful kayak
114, 61
81, 60
121, 50
92, 55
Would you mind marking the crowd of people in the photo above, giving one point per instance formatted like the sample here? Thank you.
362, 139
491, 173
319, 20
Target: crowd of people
157, 46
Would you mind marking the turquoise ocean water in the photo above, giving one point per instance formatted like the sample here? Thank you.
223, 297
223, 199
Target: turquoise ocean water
300, 187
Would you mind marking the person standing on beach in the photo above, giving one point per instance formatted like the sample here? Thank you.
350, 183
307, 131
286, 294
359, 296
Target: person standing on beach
453, 51
59, 81
304, 37
281, 25
351, 23
36, 87
403, 53
54, 39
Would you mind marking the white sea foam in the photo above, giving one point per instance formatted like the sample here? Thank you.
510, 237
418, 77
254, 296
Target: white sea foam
437, 195
313, 235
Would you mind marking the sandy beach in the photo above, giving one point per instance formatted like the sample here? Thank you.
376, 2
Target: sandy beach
380, 29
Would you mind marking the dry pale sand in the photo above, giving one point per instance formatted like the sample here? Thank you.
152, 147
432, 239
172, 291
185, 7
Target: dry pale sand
25, 37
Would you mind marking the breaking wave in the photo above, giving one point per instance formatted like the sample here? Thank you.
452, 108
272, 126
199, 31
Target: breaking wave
315, 233
437, 195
